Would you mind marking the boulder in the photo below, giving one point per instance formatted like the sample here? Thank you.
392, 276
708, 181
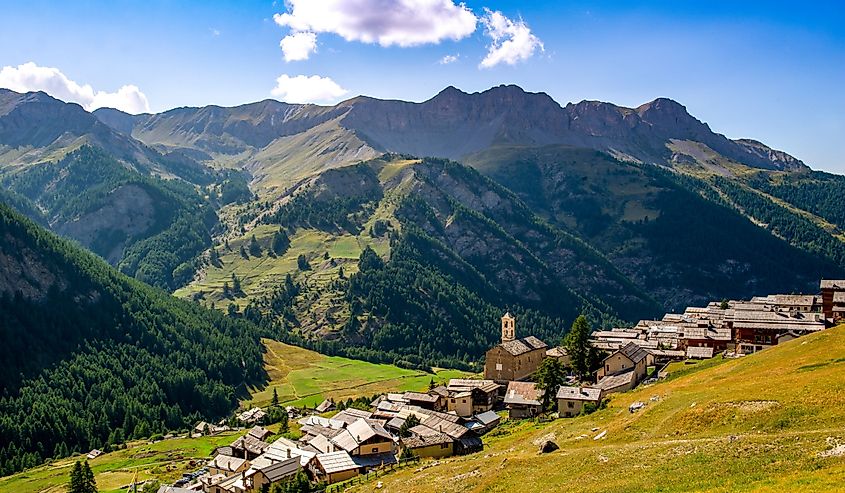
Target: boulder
548, 446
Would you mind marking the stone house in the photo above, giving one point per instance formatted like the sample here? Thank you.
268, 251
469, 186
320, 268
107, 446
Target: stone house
571, 400
513, 359
523, 400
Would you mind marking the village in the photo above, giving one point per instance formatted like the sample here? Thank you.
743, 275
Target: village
338, 445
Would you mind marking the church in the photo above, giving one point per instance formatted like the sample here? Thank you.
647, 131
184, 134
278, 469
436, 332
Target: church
513, 359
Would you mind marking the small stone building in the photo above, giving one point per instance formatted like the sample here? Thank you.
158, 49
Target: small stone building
631, 358
523, 400
513, 359
571, 400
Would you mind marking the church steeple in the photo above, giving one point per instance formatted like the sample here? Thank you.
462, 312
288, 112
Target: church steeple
508, 328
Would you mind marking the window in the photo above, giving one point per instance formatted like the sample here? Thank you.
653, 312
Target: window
570, 404
498, 367
444, 445
375, 450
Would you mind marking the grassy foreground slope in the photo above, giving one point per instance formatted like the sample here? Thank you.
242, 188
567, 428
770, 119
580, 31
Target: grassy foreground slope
304, 377
767, 422
165, 461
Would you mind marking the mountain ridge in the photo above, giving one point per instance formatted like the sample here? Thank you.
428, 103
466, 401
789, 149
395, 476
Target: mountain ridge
451, 124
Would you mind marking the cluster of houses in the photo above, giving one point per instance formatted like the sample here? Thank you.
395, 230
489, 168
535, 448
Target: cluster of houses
732, 327
449, 420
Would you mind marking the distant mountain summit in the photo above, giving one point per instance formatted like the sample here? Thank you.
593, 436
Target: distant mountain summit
270, 138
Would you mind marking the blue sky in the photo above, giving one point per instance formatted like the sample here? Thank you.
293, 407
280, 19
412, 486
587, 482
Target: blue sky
774, 71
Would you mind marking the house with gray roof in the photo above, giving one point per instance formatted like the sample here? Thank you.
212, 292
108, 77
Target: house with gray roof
630, 362
571, 400
513, 359
523, 400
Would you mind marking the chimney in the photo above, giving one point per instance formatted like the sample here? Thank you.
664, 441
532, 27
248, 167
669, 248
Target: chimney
288, 453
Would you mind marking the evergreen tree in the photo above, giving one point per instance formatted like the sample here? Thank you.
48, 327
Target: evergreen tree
275, 400
431, 384
280, 242
89, 484
578, 346
243, 252
549, 377
254, 247
77, 479
236, 283
302, 262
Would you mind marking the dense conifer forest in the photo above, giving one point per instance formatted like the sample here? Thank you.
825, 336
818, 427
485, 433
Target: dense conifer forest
93, 358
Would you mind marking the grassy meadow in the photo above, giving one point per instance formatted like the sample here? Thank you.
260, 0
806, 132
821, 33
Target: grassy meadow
166, 460
303, 377
766, 422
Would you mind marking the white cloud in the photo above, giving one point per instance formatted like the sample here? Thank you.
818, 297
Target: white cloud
298, 46
31, 77
449, 59
512, 41
305, 89
384, 22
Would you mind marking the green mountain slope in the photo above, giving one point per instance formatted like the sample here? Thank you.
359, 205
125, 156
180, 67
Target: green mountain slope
767, 422
412, 260
670, 233
92, 357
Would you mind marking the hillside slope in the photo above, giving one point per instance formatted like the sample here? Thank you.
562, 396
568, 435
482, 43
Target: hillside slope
81, 342
767, 422
415, 257
669, 232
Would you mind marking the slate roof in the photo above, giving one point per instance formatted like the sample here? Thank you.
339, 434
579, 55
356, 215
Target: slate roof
336, 462
634, 352
259, 432
226, 463
832, 284
420, 397
419, 441
467, 384
700, 352
250, 444
522, 393
325, 406
487, 418
615, 381
358, 432
524, 345
374, 460
557, 352
283, 469
454, 430
579, 393
278, 450
350, 415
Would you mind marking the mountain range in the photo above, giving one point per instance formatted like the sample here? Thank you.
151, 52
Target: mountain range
491, 200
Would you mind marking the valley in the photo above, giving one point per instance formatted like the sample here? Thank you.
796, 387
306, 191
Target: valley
338, 252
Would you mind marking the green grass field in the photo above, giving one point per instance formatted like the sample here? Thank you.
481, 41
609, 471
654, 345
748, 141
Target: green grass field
766, 422
303, 377
166, 460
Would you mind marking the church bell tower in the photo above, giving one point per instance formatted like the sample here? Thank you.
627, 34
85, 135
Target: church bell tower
508, 328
